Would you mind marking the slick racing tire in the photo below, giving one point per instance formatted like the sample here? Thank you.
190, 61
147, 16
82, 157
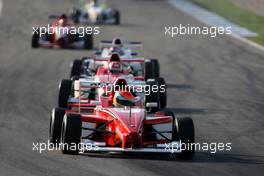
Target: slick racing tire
71, 133
76, 68
117, 17
148, 70
162, 92
152, 95
88, 41
156, 67
35, 39
75, 15
62, 42
183, 130
65, 89
56, 119
152, 68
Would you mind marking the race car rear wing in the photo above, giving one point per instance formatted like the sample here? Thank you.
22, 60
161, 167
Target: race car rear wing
130, 44
99, 52
121, 60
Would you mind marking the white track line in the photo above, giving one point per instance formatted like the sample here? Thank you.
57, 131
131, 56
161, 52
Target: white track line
248, 42
213, 19
1, 7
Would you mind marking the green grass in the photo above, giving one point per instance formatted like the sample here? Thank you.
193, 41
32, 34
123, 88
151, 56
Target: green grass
230, 11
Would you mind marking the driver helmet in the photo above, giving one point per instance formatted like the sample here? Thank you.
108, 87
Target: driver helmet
120, 84
117, 41
63, 20
115, 67
117, 46
123, 98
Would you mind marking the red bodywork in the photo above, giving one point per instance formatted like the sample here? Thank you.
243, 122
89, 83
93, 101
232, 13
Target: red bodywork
104, 75
125, 127
119, 127
59, 34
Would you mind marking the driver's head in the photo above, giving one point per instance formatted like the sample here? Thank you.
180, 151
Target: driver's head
63, 20
117, 41
123, 98
120, 85
114, 64
117, 45
115, 67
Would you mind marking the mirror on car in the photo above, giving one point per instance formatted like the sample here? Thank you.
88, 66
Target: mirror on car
95, 103
151, 105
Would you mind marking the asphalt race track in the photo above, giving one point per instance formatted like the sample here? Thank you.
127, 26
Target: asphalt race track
218, 82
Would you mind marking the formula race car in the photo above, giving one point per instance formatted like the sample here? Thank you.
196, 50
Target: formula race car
61, 33
118, 122
126, 51
108, 73
95, 12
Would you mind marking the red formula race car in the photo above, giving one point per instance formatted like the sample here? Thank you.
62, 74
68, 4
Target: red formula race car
107, 71
118, 122
61, 33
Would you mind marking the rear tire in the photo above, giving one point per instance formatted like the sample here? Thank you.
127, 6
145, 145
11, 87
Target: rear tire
75, 15
65, 89
76, 68
152, 68
184, 131
88, 41
71, 133
162, 92
56, 119
148, 70
117, 17
156, 67
35, 40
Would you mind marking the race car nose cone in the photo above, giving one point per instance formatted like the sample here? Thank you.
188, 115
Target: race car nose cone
132, 140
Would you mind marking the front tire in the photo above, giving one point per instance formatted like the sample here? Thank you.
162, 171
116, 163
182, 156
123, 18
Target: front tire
184, 131
76, 68
65, 89
71, 133
35, 39
162, 92
56, 119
